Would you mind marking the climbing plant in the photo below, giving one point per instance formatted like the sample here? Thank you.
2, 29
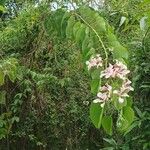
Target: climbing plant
105, 60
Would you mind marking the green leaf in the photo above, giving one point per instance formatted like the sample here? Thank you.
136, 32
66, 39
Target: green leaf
125, 119
64, 22
107, 124
145, 2
57, 19
96, 114
80, 35
3, 97
76, 27
95, 84
87, 14
95, 73
2, 77
111, 38
128, 114
119, 51
138, 112
93, 19
15, 118
89, 54
129, 101
110, 141
99, 25
135, 124
2, 8
12, 73
87, 44
119, 105
122, 124
69, 29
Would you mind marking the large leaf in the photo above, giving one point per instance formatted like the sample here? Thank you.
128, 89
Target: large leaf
88, 55
80, 34
76, 27
128, 114
93, 19
95, 84
87, 44
95, 73
129, 101
107, 124
125, 119
69, 29
118, 50
122, 124
96, 114
64, 22
99, 25
57, 19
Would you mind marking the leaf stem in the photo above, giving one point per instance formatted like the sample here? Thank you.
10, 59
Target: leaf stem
99, 38
100, 118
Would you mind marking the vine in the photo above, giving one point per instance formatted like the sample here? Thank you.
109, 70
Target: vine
109, 83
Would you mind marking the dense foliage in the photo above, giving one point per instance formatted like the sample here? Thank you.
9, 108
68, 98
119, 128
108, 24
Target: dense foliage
45, 85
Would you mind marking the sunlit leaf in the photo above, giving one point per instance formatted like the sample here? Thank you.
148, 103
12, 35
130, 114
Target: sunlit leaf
107, 124
69, 29
128, 114
95, 83
96, 114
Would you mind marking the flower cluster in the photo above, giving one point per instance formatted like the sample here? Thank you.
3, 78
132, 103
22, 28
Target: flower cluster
118, 70
124, 90
94, 62
104, 94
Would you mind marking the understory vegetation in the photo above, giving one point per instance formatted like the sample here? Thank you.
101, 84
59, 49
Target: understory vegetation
46, 88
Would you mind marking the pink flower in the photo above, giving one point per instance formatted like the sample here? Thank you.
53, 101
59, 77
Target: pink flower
94, 62
104, 94
120, 70
117, 70
107, 89
124, 90
108, 72
126, 86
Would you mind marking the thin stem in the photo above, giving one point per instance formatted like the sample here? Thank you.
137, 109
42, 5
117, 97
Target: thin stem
99, 38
